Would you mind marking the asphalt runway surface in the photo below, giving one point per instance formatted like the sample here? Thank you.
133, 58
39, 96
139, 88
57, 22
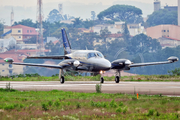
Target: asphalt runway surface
149, 88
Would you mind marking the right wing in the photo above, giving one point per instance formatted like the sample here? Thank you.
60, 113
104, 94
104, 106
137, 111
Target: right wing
11, 61
49, 57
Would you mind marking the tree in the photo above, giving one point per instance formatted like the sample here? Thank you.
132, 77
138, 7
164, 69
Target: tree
26, 22
104, 35
162, 17
127, 13
125, 33
77, 23
1, 27
54, 16
143, 44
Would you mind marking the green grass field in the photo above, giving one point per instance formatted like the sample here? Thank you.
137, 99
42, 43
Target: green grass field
55, 105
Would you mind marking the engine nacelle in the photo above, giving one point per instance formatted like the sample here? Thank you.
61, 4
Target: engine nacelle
76, 63
121, 64
173, 59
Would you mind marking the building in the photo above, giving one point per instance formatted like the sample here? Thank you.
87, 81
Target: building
157, 5
52, 39
113, 28
12, 17
110, 38
60, 6
20, 32
135, 29
168, 42
167, 35
171, 31
6, 44
171, 8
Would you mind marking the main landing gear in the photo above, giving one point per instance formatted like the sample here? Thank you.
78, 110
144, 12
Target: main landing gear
61, 76
118, 76
101, 80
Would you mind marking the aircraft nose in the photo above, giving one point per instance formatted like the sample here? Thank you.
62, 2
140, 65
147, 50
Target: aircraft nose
106, 64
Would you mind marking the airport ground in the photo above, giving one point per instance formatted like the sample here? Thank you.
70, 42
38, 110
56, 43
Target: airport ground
68, 105
31, 98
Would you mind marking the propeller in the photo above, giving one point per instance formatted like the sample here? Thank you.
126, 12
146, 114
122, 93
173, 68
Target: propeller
76, 63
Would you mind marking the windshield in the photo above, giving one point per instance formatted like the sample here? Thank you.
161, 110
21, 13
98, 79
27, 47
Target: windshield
91, 55
100, 55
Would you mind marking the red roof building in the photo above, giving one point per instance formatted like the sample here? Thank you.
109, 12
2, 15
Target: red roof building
21, 33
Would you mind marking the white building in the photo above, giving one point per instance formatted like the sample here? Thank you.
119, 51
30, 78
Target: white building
113, 28
7, 43
134, 29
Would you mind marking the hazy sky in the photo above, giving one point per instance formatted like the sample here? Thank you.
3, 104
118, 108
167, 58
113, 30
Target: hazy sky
24, 9
104, 2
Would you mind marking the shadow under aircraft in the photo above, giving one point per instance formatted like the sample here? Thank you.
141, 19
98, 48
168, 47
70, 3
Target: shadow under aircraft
87, 61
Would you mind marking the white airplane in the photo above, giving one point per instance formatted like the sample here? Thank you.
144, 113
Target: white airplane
87, 61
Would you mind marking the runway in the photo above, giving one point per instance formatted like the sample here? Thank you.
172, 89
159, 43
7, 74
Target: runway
149, 88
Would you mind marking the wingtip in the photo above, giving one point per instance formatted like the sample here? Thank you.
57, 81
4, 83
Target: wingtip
173, 59
9, 60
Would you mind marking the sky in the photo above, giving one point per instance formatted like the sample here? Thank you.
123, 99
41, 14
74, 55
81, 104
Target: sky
104, 2
24, 9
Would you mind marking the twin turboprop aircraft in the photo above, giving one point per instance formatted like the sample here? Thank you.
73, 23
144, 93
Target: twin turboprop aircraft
87, 61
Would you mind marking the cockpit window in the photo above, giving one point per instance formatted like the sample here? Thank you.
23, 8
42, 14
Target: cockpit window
100, 55
91, 55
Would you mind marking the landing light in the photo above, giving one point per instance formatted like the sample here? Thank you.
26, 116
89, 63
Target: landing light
101, 72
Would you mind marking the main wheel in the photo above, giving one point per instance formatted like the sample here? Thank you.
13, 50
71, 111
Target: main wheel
117, 79
62, 80
101, 80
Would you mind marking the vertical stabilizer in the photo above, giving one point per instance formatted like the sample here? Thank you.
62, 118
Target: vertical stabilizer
66, 44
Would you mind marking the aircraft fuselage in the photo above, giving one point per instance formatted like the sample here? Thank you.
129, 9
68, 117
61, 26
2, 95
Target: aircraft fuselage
86, 60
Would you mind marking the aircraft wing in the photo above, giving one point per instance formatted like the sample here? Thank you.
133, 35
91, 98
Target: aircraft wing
39, 65
170, 60
49, 57
150, 63
11, 61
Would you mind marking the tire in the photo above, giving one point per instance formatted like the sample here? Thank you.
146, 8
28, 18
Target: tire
117, 79
62, 80
101, 80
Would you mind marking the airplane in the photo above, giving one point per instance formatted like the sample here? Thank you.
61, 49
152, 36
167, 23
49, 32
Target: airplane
87, 61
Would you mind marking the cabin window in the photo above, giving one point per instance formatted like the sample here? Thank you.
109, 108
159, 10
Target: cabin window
100, 55
19, 31
91, 55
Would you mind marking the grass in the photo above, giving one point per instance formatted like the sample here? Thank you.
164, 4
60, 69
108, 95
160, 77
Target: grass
138, 78
73, 105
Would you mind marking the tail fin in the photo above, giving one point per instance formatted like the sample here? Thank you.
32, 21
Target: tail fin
66, 44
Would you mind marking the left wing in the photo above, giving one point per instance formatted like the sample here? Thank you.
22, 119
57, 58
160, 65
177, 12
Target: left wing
170, 60
150, 63
125, 64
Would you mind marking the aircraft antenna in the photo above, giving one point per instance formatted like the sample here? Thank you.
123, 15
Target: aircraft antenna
40, 42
